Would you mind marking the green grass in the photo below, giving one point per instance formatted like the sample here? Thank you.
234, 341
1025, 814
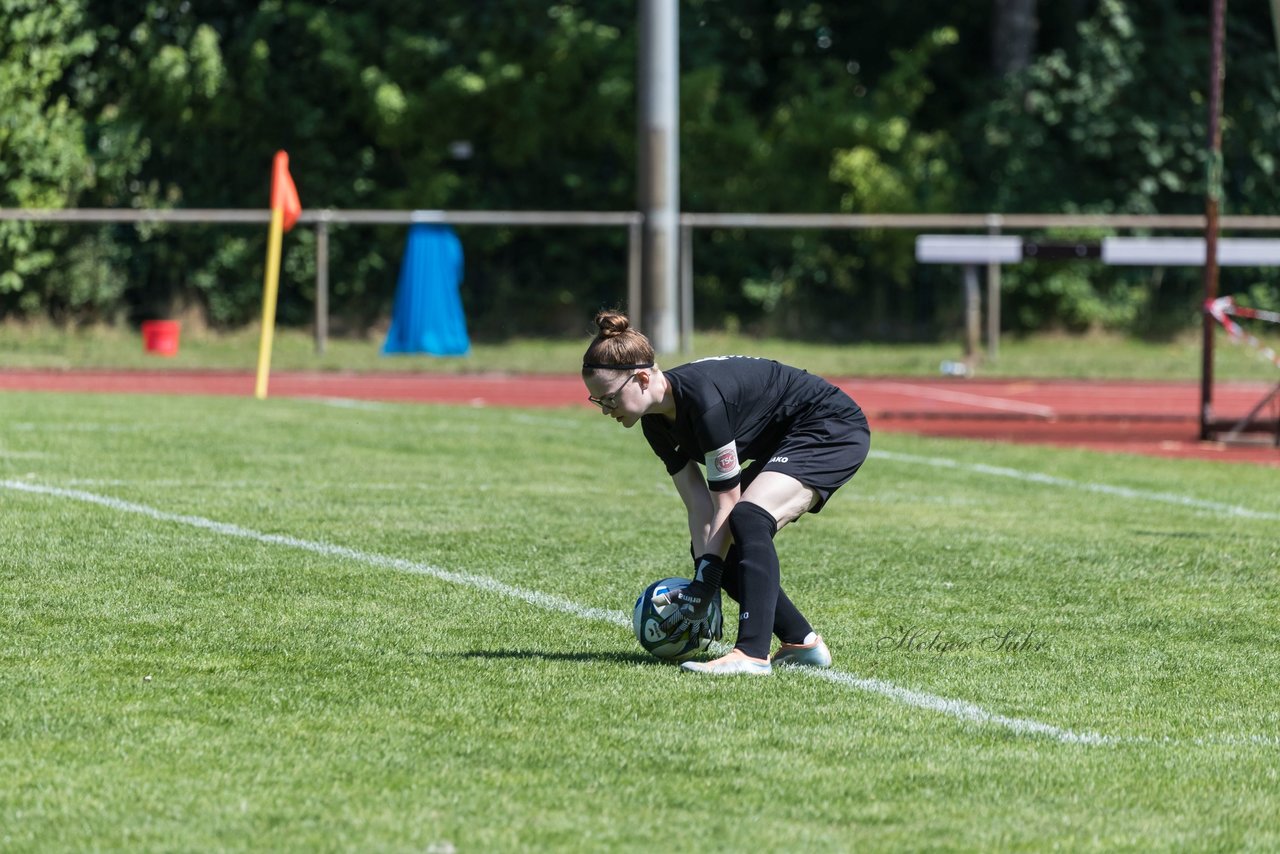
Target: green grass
1089, 356
173, 686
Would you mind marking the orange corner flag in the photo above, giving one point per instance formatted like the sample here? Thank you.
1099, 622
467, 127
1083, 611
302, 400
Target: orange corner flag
284, 195
285, 210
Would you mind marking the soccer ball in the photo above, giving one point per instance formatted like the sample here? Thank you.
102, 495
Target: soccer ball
648, 616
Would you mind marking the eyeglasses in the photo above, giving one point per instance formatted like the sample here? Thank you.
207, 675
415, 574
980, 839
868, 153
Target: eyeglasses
609, 402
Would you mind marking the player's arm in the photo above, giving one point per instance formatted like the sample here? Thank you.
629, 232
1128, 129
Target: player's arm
709, 530
709, 503
708, 511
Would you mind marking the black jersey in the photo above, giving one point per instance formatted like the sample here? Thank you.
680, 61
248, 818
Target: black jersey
734, 408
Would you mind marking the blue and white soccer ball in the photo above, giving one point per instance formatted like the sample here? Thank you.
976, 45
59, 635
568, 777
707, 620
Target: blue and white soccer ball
647, 618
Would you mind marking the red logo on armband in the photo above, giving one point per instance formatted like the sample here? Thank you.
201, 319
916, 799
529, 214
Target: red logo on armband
726, 462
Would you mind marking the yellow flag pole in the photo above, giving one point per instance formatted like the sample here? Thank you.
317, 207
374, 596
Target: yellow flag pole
270, 286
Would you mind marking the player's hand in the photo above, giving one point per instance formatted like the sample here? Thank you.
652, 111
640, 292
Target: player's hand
693, 609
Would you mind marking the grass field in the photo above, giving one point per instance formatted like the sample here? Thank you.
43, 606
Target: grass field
291, 625
1098, 356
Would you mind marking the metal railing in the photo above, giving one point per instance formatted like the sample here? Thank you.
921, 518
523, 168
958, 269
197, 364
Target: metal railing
1015, 222
989, 223
321, 219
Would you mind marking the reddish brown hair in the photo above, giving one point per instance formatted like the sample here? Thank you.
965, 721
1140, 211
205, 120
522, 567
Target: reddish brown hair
616, 347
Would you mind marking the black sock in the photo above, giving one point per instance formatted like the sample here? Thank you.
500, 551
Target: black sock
753, 529
789, 625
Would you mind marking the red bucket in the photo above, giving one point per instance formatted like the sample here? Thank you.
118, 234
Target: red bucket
161, 337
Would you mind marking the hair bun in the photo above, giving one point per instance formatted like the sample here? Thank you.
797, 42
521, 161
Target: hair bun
612, 323
617, 346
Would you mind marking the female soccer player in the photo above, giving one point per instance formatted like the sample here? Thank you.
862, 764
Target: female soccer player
804, 437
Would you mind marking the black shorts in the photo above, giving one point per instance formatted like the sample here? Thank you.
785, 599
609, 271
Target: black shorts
823, 451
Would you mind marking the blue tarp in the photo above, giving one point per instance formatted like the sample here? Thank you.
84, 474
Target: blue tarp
427, 317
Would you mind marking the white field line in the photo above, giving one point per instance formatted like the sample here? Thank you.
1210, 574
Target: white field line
959, 709
518, 417
561, 422
533, 597
338, 486
72, 427
349, 403
1215, 507
1001, 404
171, 483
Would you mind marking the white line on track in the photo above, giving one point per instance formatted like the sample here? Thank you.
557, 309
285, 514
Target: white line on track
1215, 507
982, 401
959, 709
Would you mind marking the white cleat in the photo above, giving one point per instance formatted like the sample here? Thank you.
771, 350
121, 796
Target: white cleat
736, 663
812, 654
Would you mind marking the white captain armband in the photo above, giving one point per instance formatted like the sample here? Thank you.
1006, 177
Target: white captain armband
722, 465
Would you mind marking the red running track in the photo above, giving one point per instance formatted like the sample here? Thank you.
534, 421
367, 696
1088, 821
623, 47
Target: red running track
1153, 418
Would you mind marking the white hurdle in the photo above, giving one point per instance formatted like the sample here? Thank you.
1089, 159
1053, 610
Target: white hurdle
1115, 251
994, 250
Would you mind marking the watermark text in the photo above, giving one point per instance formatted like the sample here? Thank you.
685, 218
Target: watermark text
918, 639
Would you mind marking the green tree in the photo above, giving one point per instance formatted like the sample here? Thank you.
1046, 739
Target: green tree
43, 156
448, 104
780, 114
1117, 124
786, 106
